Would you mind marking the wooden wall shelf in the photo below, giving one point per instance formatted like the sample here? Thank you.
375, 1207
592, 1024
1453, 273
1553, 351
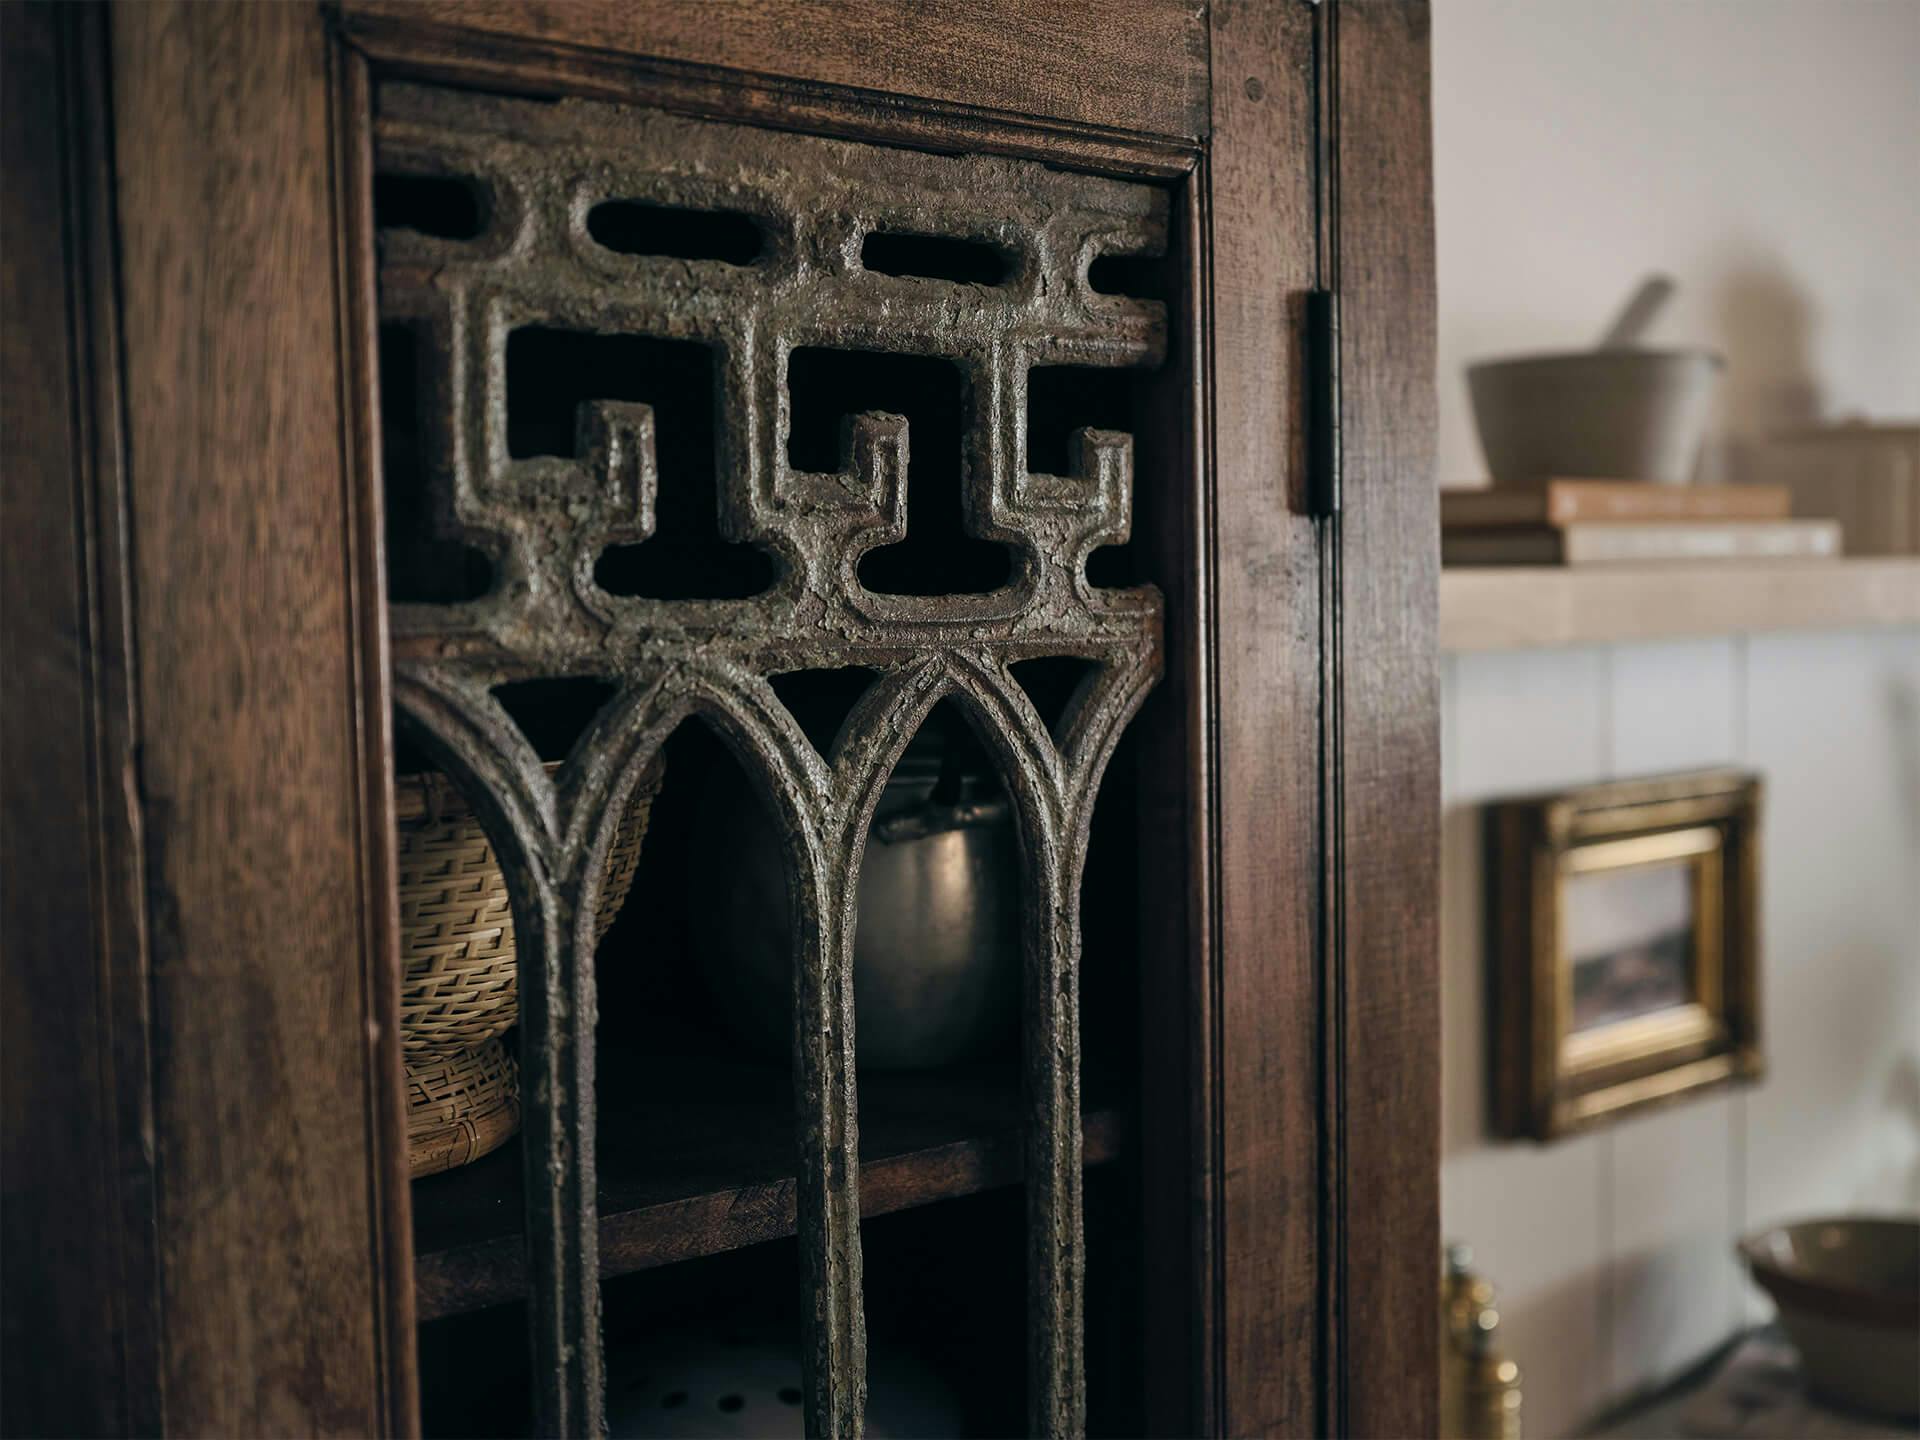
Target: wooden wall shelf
1525, 607
701, 1160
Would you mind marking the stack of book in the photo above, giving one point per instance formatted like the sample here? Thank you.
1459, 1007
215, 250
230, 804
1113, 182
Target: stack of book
1627, 522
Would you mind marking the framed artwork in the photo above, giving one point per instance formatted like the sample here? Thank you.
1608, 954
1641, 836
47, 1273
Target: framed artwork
1623, 947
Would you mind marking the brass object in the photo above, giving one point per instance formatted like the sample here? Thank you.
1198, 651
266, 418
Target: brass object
545, 524
1551, 1077
1463, 1296
1480, 1394
1492, 1385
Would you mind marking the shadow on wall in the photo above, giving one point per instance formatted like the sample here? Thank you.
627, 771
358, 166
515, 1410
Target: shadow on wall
1765, 325
1903, 705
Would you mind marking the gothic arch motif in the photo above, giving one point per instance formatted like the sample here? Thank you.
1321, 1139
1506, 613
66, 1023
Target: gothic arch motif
546, 519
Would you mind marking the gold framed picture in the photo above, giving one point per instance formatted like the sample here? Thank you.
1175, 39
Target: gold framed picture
1623, 945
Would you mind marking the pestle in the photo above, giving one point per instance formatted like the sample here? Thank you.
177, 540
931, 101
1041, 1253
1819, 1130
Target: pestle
1638, 314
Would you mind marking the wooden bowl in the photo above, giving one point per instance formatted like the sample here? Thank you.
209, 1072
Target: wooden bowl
1848, 1291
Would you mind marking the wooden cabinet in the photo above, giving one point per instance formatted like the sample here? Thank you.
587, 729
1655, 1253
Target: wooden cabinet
1067, 369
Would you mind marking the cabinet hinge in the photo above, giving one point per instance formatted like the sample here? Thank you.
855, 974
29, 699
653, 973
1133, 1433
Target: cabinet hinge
1323, 403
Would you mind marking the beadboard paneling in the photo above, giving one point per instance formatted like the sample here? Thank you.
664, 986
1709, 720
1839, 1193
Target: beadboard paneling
1613, 1251
1834, 721
1535, 1215
1672, 1280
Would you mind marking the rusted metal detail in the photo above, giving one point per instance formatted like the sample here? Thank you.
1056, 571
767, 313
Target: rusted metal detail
545, 520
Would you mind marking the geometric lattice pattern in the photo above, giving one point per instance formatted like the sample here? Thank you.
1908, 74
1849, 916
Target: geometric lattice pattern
544, 521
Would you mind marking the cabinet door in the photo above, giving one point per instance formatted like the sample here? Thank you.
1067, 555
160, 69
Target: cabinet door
200, 1039
1094, 230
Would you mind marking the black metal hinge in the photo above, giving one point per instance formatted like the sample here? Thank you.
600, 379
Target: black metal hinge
1323, 403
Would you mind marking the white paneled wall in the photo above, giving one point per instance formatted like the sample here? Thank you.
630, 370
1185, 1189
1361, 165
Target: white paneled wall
1613, 1251
1835, 723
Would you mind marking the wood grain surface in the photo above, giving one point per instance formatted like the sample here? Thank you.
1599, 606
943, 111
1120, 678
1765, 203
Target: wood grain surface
1175, 768
1124, 65
274, 1199
1265, 993
1385, 1122
195, 792
78, 1307
702, 1161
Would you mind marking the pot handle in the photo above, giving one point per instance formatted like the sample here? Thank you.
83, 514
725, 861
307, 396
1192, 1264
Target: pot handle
934, 818
947, 808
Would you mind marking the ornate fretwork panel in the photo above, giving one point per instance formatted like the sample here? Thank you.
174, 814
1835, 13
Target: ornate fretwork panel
786, 266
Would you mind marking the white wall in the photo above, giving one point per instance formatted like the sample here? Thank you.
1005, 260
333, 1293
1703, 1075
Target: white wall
1767, 155
1613, 1250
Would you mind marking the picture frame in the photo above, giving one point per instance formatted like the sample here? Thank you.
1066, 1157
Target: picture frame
1623, 948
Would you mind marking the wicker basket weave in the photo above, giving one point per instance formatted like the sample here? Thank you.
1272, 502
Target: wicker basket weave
459, 989
460, 1106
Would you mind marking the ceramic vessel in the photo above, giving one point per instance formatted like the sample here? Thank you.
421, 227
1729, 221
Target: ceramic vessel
1606, 414
1848, 1290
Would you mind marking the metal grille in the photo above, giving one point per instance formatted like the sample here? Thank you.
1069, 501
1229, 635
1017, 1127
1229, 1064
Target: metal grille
539, 172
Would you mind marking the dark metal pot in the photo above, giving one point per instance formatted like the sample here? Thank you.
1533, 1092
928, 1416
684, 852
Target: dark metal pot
936, 966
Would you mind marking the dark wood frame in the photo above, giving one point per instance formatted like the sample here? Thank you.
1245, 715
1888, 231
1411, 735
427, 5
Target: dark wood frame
78, 1162
1292, 1132
1538, 1090
206, 952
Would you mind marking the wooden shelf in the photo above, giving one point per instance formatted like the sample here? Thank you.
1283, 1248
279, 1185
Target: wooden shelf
1527, 607
697, 1157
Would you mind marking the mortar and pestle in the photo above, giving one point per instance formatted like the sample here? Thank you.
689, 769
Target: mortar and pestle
1617, 412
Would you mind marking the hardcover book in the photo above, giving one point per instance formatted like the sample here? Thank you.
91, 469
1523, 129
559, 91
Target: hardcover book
1599, 502
1618, 544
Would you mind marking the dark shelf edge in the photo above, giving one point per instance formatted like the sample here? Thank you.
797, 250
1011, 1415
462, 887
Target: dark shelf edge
494, 1272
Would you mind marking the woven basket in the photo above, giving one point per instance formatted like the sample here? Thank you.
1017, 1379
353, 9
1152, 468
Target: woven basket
459, 988
460, 1106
